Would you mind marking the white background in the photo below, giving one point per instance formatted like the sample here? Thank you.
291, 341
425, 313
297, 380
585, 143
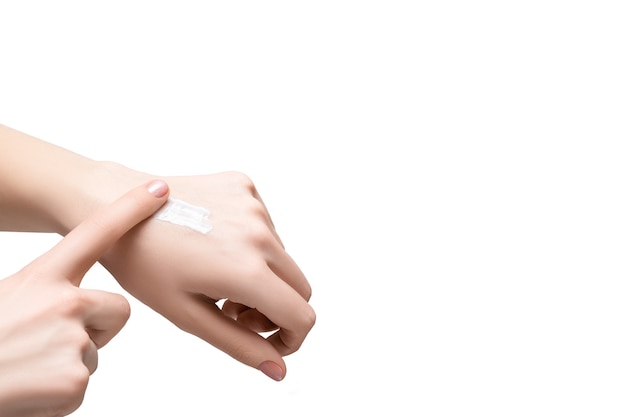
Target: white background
449, 175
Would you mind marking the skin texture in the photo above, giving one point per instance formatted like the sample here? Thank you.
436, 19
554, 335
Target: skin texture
226, 287
241, 261
51, 329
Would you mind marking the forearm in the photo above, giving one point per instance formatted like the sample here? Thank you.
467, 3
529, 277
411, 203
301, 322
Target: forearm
46, 188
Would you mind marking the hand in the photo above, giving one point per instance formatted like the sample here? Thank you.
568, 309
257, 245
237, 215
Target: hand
183, 274
51, 329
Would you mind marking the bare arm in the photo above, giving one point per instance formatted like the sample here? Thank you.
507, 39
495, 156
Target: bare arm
43, 187
242, 261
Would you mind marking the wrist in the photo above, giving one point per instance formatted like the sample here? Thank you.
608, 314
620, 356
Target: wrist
46, 188
102, 183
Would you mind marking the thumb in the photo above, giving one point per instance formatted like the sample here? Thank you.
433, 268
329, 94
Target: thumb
75, 254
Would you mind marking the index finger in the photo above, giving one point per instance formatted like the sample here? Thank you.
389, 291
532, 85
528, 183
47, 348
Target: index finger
75, 254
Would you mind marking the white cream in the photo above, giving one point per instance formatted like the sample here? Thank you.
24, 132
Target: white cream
184, 214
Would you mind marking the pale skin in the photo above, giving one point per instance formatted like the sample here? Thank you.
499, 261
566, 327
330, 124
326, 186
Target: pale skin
176, 271
51, 329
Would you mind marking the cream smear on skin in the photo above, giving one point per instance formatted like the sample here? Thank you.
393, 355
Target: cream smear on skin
185, 214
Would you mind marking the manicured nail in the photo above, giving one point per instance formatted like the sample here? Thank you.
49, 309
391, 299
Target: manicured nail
272, 370
158, 188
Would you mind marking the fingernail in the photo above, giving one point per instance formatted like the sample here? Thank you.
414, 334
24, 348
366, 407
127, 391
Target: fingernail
158, 188
272, 370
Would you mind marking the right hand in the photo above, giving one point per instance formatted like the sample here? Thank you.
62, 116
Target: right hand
50, 329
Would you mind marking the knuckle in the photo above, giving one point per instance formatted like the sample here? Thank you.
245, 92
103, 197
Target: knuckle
78, 380
241, 180
304, 321
72, 302
307, 318
307, 292
77, 338
256, 208
71, 390
82, 340
289, 343
258, 234
123, 307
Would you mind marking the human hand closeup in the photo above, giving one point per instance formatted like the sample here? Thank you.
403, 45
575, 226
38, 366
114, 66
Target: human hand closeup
184, 275
231, 286
51, 329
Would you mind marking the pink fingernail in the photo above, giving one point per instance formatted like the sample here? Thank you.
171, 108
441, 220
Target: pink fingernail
158, 188
272, 370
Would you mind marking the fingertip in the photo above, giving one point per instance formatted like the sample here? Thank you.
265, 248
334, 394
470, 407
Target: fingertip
158, 188
272, 370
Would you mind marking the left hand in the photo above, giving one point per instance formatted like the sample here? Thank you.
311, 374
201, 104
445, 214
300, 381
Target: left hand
182, 274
